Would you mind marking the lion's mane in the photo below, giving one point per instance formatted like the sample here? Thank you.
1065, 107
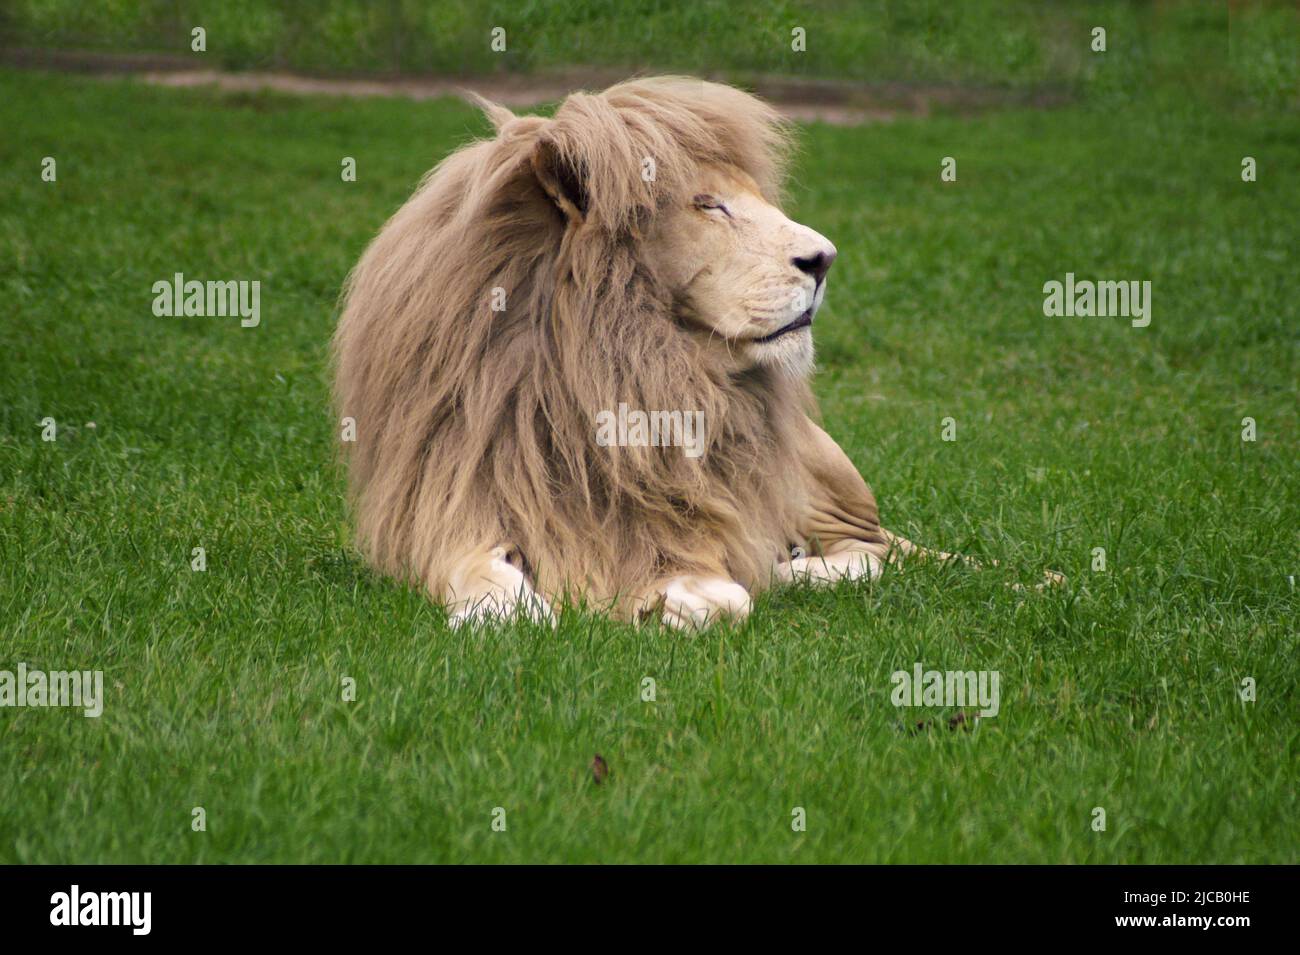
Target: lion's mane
476, 427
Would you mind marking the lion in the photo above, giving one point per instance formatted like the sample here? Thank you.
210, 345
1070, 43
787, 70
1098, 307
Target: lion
628, 251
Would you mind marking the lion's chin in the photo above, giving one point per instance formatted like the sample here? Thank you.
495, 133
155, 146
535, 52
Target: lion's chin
791, 354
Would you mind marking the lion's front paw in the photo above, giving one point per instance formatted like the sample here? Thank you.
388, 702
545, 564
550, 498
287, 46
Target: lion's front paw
827, 570
691, 603
503, 593
499, 607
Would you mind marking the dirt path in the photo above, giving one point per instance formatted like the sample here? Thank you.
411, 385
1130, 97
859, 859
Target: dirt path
805, 100
515, 92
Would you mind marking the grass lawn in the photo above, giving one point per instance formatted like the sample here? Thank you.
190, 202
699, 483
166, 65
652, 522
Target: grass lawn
1119, 691
931, 40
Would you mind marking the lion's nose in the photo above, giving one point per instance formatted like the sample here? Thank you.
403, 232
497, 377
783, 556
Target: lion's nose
817, 264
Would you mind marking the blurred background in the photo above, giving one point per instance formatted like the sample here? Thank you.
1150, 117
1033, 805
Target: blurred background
872, 50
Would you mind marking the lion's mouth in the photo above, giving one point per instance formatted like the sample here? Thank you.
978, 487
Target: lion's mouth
803, 321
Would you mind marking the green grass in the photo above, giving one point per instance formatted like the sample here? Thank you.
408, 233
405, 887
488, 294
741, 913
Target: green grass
1008, 43
1118, 691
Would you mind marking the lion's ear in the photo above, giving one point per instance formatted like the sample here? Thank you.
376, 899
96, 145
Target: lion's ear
562, 180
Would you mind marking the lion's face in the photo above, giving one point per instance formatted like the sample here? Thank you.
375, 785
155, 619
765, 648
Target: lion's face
741, 271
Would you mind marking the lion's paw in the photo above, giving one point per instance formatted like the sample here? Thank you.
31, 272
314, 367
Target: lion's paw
692, 603
504, 594
829, 569
498, 608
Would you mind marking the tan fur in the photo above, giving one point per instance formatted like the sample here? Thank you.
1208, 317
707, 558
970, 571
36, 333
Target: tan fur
474, 427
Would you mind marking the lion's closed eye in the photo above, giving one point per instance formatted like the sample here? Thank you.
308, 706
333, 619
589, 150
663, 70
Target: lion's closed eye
707, 203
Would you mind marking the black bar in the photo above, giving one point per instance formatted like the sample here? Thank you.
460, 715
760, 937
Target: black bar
335, 904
